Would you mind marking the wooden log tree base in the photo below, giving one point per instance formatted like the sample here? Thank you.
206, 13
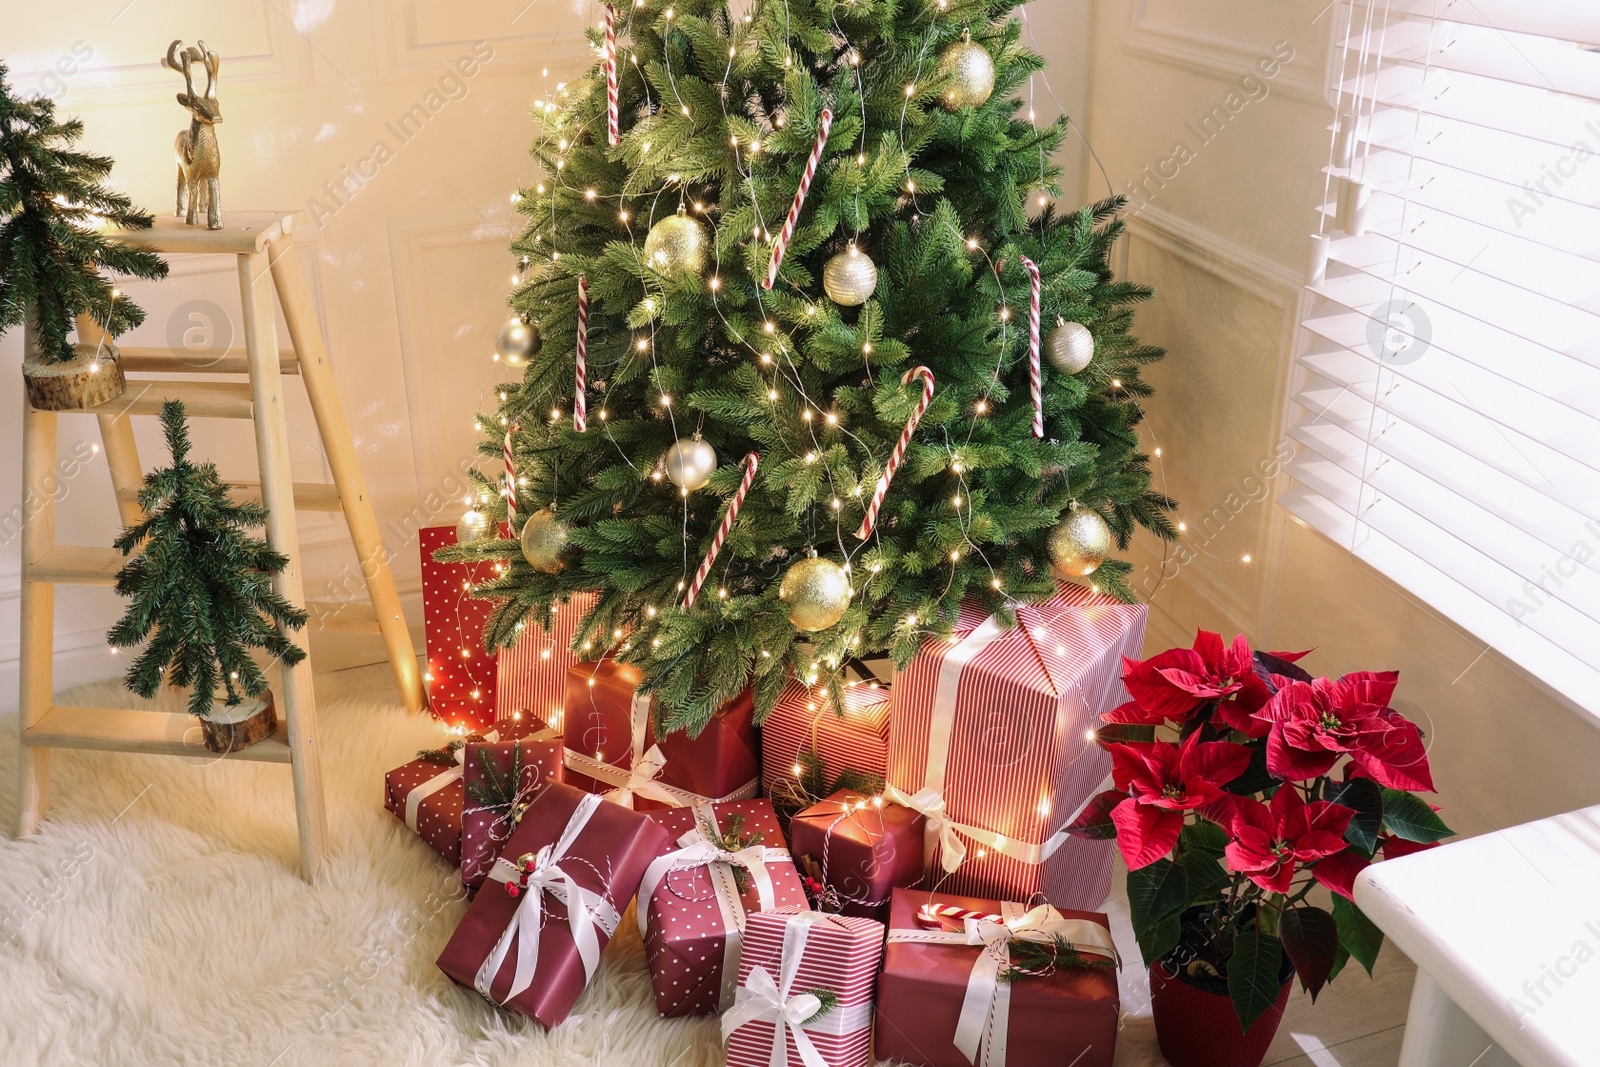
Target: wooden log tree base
93, 376
228, 729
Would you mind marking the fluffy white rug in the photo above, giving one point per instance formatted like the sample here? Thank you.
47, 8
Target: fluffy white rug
157, 919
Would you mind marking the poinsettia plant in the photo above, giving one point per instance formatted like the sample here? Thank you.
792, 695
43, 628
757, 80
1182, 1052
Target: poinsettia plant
1241, 785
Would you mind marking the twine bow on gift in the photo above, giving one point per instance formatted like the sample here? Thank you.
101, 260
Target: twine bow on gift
532, 878
763, 999
456, 751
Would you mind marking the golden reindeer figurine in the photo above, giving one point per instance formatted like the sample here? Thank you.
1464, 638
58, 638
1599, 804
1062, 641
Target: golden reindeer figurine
199, 156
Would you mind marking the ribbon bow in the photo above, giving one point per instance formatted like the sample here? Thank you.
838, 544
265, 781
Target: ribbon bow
763, 999
588, 913
941, 829
426, 789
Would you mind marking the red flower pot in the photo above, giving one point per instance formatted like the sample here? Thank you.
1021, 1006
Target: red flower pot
1198, 1028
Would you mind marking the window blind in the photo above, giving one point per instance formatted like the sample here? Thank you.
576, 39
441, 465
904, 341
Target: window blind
1446, 405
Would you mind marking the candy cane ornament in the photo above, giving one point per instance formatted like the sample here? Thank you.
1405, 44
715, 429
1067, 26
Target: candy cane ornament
934, 915
899, 453
508, 480
1035, 375
751, 462
780, 246
580, 398
613, 130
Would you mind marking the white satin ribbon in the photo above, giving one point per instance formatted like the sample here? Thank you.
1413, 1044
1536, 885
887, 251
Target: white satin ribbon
761, 999
982, 1027
696, 850
588, 913
639, 778
426, 789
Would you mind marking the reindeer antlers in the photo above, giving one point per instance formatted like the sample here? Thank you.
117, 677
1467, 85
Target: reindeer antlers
184, 60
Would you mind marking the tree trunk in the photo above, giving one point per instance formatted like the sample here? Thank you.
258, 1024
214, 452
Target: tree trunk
91, 377
228, 729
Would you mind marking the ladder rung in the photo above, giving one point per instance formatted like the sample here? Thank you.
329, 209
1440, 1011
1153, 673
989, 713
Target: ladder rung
197, 360
77, 565
159, 733
205, 400
308, 496
337, 616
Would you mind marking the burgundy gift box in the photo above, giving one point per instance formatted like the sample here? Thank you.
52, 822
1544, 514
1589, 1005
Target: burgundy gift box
612, 747
860, 848
790, 954
996, 722
460, 675
430, 797
804, 720
484, 827
692, 913
584, 847
1066, 1017
531, 675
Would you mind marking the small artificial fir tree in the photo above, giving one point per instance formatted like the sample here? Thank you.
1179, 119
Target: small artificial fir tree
719, 115
201, 590
53, 205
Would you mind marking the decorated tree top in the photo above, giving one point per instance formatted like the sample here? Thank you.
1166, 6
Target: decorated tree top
54, 207
803, 206
200, 590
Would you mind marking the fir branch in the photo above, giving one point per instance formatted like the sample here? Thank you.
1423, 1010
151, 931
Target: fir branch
1034, 958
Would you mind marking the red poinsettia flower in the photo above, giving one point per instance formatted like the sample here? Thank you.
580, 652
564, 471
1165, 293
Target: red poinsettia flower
1270, 841
1313, 724
1163, 782
1171, 685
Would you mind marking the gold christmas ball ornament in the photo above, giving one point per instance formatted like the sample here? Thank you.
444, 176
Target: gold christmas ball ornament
850, 278
816, 591
677, 243
544, 539
474, 526
970, 69
1080, 543
517, 343
1071, 347
690, 463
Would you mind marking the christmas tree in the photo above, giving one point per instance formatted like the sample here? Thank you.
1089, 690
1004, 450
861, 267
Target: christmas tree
53, 207
201, 590
802, 206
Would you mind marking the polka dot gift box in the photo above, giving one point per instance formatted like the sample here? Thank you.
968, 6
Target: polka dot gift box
501, 779
460, 675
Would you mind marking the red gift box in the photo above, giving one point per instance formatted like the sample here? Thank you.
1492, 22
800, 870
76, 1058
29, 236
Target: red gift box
860, 848
991, 737
536, 950
944, 999
531, 675
460, 674
485, 826
692, 913
612, 746
787, 955
805, 720
430, 797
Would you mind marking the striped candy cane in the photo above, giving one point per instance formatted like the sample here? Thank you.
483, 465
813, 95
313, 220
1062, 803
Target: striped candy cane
750, 461
784, 235
580, 399
1035, 378
613, 131
871, 518
934, 915
508, 481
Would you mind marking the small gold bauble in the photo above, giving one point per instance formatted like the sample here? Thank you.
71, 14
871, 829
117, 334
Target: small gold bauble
474, 526
816, 591
1071, 347
544, 539
850, 278
677, 243
518, 342
1080, 543
970, 69
690, 464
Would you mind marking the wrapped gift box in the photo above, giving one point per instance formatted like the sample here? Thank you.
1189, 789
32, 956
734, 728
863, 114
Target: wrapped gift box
945, 1003
430, 797
997, 725
531, 675
805, 721
495, 799
612, 746
692, 913
860, 848
577, 845
460, 675
790, 953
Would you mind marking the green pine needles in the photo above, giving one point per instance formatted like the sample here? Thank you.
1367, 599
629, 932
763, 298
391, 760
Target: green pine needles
201, 590
53, 204
719, 115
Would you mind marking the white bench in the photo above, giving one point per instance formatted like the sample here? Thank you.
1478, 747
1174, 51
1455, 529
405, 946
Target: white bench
1505, 932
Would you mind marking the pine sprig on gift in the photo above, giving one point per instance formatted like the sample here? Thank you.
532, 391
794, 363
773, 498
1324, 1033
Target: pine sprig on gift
446, 756
1030, 959
733, 839
811, 785
497, 792
829, 999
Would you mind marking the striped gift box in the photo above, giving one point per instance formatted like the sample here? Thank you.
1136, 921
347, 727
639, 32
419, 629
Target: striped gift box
998, 720
831, 952
804, 720
531, 678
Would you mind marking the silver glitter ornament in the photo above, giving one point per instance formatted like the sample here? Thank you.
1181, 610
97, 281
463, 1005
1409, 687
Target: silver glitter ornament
850, 278
1071, 347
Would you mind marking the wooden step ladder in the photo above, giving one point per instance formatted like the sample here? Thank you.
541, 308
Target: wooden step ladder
264, 250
